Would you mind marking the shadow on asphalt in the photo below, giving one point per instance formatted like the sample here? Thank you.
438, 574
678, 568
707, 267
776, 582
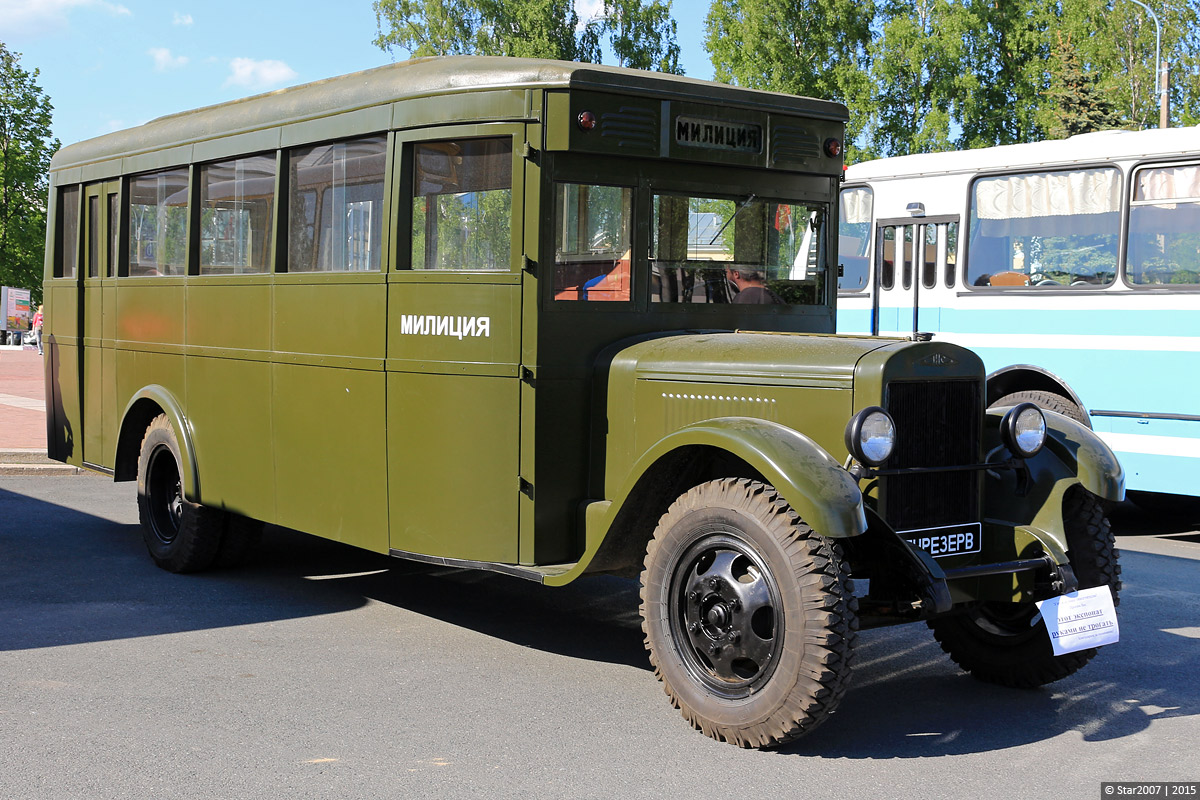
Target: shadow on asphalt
71, 578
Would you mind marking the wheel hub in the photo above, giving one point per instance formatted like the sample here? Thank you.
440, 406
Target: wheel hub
727, 606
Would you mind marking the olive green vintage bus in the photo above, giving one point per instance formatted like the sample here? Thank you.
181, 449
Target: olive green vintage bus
552, 319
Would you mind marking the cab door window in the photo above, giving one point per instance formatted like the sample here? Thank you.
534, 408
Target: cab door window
592, 242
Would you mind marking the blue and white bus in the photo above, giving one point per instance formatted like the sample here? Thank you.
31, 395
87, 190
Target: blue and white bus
1072, 267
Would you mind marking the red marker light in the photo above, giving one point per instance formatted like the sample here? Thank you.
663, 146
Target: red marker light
833, 148
587, 120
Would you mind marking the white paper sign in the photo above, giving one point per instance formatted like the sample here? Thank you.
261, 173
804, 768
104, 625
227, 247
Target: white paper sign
1080, 620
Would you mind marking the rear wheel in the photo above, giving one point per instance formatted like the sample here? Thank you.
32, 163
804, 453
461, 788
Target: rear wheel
1051, 401
999, 642
747, 613
181, 536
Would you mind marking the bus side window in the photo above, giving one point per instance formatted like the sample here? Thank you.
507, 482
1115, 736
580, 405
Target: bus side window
237, 200
335, 205
158, 204
462, 205
1164, 217
67, 233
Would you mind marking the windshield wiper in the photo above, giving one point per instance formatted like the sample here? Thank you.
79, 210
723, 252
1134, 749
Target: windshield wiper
745, 203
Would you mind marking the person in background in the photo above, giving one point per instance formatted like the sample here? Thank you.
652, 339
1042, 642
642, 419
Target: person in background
38, 320
751, 285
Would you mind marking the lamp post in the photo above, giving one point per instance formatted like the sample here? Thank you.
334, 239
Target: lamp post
1163, 122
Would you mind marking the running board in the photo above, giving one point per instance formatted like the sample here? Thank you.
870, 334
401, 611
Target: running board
537, 574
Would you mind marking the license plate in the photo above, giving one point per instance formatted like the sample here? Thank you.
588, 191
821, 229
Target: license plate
948, 540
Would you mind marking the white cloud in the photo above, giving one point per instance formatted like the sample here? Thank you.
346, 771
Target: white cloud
163, 60
182, 19
48, 16
258, 74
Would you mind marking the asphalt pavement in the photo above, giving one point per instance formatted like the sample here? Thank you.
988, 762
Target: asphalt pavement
321, 671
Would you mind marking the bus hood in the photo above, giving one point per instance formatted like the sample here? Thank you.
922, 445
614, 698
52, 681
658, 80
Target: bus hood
763, 359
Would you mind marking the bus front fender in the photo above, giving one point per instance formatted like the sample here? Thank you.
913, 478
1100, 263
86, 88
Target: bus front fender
1071, 450
816, 486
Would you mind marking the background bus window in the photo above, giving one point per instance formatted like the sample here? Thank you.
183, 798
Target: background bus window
335, 203
236, 200
1164, 227
929, 258
951, 253
747, 250
592, 256
907, 273
887, 257
462, 205
854, 238
1046, 229
158, 223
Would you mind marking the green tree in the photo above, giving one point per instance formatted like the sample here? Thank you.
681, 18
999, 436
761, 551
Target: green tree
1077, 104
25, 150
816, 48
641, 34
917, 70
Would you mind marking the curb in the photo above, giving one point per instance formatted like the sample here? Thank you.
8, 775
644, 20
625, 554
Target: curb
33, 461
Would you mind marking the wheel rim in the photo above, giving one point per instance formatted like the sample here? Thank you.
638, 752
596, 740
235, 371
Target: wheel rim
165, 493
726, 615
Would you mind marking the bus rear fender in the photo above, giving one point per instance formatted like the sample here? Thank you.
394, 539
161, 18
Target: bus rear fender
816, 486
144, 406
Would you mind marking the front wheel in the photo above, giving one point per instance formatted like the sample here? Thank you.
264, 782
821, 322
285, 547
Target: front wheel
1007, 643
748, 614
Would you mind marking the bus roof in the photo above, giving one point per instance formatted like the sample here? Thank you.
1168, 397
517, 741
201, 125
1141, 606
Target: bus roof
1086, 148
422, 77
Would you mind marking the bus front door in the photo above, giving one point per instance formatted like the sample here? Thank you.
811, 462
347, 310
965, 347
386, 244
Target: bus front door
101, 212
895, 286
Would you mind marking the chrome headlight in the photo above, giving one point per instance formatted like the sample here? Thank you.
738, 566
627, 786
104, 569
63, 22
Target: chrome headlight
871, 436
1023, 430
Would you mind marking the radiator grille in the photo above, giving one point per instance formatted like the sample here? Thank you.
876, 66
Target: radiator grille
938, 425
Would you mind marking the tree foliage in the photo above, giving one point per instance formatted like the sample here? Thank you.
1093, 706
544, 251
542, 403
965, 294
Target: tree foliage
817, 48
25, 150
640, 34
931, 75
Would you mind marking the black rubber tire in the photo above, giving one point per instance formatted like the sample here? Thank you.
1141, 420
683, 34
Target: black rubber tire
181, 536
732, 565
995, 641
1051, 401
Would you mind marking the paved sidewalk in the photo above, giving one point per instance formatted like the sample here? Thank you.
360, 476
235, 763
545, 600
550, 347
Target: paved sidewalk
22, 399
23, 416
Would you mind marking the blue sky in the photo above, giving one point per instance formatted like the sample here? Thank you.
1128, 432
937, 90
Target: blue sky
113, 64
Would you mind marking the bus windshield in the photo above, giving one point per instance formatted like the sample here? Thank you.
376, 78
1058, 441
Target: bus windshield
747, 250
